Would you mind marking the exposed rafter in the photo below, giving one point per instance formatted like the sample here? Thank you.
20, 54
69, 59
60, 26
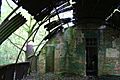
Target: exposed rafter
9, 26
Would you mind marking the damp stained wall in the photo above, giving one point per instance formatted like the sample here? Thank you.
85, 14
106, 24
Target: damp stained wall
65, 53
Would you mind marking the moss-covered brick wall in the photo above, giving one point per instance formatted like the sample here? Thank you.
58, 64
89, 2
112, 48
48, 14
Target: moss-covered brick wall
73, 60
65, 53
109, 52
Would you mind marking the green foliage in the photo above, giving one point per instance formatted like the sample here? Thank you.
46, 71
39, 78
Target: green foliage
8, 49
8, 53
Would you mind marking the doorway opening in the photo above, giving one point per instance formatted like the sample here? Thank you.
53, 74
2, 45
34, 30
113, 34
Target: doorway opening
91, 57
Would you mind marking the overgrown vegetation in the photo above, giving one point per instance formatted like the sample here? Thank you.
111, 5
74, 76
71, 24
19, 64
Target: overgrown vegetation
10, 48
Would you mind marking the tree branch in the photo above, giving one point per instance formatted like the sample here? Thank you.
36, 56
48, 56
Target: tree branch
15, 45
19, 36
42, 22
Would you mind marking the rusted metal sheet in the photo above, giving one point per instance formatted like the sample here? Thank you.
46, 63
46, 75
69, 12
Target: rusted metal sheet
14, 71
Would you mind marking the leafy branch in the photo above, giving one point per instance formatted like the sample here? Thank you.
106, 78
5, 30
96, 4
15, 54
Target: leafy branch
15, 44
19, 36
